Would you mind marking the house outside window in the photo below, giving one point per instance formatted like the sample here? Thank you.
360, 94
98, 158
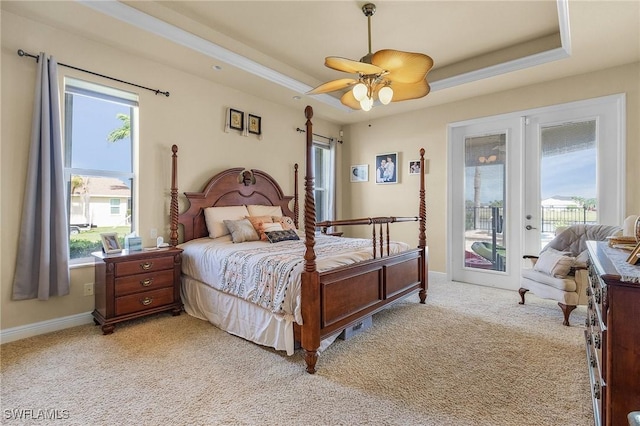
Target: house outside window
100, 136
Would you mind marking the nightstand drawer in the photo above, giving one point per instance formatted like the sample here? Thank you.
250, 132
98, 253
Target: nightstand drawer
143, 301
144, 265
143, 282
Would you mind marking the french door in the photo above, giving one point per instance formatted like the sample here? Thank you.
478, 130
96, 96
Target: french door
515, 178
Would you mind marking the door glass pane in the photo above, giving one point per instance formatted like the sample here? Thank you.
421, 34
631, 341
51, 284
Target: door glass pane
567, 177
485, 188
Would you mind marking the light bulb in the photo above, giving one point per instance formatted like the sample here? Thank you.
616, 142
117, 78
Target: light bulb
366, 104
385, 95
359, 91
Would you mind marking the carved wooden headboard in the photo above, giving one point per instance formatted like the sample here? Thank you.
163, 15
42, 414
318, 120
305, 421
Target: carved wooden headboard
232, 187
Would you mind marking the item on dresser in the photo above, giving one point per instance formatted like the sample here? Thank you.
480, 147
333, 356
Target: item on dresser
132, 285
612, 335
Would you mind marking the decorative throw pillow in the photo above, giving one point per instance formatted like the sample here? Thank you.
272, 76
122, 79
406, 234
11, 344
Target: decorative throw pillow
284, 235
242, 230
257, 222
285, 221
215, 216
554, 263
259, 210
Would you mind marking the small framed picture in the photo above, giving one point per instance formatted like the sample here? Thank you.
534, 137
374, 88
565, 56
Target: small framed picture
360, 173
414, 167
634, 257
255, 124
236, 119
110, 242
387, 168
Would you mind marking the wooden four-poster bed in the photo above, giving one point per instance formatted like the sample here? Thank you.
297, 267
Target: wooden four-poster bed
328, 294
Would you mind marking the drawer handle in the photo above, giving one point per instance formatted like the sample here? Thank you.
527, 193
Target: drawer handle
147, 301
598, 296
146, 265
596, 341
592, 361
147, 282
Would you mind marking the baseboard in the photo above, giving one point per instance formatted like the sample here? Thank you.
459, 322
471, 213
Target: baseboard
35, 329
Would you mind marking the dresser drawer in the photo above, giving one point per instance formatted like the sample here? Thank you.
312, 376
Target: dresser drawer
143, 265
143, 301
143, 282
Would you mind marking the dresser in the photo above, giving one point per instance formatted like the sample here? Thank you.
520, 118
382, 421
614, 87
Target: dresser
132, 285
612, 335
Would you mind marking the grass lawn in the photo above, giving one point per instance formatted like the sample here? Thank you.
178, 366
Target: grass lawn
93, 235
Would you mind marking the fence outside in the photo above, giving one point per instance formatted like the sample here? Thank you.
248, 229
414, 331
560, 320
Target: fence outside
482, 218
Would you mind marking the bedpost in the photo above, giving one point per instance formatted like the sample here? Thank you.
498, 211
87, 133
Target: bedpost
310, 290
173, 209
422, 236
296, 208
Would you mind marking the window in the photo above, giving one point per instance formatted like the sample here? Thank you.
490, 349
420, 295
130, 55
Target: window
99, 135
324, 184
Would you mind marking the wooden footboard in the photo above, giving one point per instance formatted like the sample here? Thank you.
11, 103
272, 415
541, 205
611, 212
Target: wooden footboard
339, 298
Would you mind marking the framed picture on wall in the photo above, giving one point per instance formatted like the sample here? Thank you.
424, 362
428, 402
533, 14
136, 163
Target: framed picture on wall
414, 167
387, 168
255, 124
236, 119
360, 173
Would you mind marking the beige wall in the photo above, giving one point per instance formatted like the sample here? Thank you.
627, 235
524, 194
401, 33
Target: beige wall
406, 134
192, 117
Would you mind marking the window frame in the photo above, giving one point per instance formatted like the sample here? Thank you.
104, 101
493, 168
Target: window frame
75, 87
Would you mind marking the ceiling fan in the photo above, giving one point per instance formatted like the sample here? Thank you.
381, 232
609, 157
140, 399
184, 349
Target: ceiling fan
387, 75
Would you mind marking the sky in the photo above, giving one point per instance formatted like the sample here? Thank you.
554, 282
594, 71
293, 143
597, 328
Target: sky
570, 175
93, 120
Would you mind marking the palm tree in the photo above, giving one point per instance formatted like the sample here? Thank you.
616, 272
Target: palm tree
122, 132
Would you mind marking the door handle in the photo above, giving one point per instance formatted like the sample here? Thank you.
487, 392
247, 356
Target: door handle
529, 227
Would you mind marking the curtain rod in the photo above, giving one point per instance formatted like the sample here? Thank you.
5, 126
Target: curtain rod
37, 58
299, 130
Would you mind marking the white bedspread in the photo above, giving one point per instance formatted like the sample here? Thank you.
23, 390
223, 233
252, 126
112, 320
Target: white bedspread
268, 275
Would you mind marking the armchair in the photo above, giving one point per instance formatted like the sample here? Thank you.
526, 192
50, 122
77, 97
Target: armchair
560, 272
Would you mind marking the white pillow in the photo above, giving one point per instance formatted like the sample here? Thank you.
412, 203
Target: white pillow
554, 263
215, 217
259, 210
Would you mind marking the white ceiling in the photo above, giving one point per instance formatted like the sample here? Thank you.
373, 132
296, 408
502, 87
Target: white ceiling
276, 49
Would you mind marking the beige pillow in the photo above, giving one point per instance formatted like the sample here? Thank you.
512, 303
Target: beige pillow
554, 263
241, 230
259, 210
215, 216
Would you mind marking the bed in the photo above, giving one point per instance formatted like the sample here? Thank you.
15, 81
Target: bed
319, 286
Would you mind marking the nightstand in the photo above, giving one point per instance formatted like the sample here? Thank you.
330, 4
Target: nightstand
132, 285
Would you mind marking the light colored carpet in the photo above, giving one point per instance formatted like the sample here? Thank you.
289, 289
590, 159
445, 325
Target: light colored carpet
470, 356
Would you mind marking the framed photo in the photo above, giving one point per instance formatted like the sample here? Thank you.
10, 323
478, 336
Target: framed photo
255, 124
360, 173
414, 167
110, 242
236, 119
634, 257
387, 168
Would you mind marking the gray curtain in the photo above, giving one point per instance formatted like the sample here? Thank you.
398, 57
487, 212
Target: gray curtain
42, 266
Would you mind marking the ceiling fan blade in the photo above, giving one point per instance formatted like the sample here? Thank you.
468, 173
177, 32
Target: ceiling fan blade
351, 66
406, 91
333, 85
349, 100
403, 67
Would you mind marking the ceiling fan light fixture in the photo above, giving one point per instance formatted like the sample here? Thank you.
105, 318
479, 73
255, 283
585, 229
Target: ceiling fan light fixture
366, 104
360, 91
385, 95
